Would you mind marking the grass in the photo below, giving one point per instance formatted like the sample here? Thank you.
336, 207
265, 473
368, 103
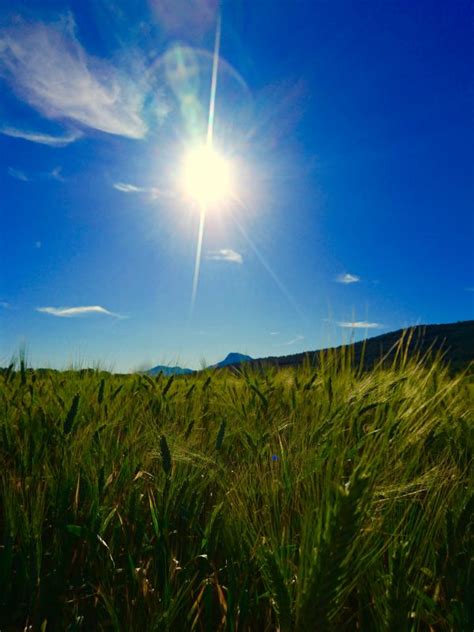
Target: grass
300, 499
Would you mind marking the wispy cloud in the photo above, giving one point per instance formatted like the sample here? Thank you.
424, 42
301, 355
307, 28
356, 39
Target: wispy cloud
42, 139
347, 278
225, 254
49, 69
5, 305
273, 333
70, 312
128, 188
292, 341
56, 174
17, 174
154, 192
360, 324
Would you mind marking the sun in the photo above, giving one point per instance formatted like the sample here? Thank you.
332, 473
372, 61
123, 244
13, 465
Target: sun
206, 176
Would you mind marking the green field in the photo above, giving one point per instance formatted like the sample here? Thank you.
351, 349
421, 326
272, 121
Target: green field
299, 499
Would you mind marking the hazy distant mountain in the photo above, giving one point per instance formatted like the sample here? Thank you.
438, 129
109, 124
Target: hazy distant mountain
169, 370
454, 340
231, 359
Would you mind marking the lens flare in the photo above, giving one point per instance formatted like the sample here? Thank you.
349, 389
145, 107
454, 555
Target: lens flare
207, 176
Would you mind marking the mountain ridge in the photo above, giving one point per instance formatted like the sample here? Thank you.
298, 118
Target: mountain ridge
168, 370
231, 358
454, 340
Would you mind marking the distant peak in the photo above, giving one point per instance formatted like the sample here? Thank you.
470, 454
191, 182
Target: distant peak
233, 358
168, 370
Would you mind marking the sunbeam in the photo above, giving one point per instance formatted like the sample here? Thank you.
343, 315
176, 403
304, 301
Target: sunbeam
212, 100
200, 178
267, 266
197, 263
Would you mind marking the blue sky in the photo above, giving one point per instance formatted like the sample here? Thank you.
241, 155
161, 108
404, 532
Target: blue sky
348, 130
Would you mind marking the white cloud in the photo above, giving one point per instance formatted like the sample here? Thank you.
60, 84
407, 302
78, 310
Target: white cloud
17, 174
154, 192
50, 70
5, 305
43, 139
292, 341
360, 324
56, 174
69, 312
273, 333
129, 188
225, 254
347, 278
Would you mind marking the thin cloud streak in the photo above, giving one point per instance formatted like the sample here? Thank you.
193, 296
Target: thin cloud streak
225, 254
42, 139
49, 69
71, 312
56, 174
297, 338
347, 278
360, 324
154, 192
17, 174
128, 188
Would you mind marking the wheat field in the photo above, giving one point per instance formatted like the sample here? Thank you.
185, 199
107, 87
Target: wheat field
305, 499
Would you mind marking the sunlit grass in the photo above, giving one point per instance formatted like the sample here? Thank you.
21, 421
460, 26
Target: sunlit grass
305, 499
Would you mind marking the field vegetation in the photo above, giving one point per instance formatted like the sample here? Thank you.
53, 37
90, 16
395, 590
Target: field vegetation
295, 499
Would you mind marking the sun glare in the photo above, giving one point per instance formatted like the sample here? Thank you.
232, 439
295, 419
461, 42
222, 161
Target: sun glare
207, 177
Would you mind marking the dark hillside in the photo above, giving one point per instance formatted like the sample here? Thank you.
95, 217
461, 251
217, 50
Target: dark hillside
454, 340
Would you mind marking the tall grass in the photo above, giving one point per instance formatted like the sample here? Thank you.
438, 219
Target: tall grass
302, 499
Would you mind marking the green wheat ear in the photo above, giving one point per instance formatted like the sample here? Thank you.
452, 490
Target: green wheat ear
189, 429
165, 456
328, 570
72, 414
220, 435
168, 385
100, 395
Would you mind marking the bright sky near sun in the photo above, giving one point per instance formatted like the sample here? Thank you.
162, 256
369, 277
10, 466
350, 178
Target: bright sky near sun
181, 179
